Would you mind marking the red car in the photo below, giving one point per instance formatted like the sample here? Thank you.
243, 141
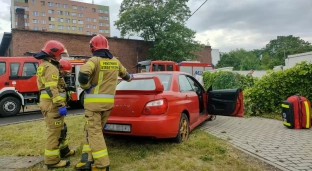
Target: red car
168, 105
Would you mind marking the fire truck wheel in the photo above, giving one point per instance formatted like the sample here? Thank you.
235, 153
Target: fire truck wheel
10, 106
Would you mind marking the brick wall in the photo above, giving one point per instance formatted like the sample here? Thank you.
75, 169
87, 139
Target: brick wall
77, 44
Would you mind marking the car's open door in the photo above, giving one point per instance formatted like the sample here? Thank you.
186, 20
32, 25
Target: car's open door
227, 102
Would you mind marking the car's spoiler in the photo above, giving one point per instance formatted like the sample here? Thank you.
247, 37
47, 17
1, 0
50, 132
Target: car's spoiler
158, 84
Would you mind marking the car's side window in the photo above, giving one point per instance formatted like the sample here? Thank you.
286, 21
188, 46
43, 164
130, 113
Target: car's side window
196, 87
14, 68
2, 68
184, 84
29, 68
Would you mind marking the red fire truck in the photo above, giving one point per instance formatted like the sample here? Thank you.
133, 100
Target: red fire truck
191, 67
18, 86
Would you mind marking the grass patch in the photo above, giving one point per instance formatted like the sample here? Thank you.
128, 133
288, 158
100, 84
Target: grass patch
201, 152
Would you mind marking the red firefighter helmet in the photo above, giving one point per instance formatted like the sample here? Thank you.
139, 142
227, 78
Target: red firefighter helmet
54, 48
98, 42
65, 65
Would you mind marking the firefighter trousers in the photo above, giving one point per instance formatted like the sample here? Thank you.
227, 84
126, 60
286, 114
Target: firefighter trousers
95, 145
56, 143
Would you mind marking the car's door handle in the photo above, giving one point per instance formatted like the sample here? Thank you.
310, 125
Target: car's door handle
218, 95
6, 83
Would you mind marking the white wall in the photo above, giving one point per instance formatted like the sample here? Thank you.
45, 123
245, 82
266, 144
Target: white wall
291, 60
215, 55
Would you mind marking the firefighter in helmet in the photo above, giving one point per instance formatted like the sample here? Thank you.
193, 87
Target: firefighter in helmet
53, 104
98, 77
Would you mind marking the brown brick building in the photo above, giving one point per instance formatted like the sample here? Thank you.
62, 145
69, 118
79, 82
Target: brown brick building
22, 40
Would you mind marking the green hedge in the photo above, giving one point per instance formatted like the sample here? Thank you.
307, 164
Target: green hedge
264, 96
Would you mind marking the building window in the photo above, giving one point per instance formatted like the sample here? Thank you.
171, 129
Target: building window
60, 12
51, 19
50, 4
106, 12
94, 20
86, 8
33, 1
94, 27
42, 13
42, 3
73, 14
74, 21
100, 11
88, 26
88, 33
60, 20
73, 27
43, 21
51, 26
106, 18
67, 13
26, 16
88, 19
26, 9
35, 21
101, 17
101, 24
67, 27
93, 9
60, 27
80, 28
51, 11
26, 24
67, 20
74, 7
81, 8
80, 15
35, 13
80, 22
65, 6
101, 31
95, 33
57, 4
106, 31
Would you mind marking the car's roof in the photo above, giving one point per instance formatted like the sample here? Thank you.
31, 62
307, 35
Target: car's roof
163, 72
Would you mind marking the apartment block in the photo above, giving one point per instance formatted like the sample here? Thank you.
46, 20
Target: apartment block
62, 16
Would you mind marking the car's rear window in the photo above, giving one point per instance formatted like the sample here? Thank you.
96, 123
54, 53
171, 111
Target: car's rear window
145, 84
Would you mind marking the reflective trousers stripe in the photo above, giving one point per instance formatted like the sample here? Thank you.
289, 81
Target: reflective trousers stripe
99, 154
86, 148
52, 152
100, 98
62, 97
61, 94
64, 144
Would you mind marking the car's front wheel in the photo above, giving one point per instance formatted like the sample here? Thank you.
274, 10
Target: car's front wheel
184, 129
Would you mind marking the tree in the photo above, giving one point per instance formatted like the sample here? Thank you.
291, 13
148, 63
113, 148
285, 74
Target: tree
160, 21
283, 46
239, 59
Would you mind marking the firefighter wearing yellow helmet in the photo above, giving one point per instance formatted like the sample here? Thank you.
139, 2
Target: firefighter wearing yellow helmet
98, 77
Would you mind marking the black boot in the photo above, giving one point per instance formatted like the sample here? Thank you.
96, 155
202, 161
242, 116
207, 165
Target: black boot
66, 152
84, 164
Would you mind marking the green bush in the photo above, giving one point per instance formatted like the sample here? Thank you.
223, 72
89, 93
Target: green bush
267, 94
227, 80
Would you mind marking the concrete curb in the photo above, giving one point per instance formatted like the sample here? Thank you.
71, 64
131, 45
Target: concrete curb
34, 120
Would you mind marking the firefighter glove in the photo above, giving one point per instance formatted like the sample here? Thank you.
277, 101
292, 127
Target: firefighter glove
89, 89
62, 111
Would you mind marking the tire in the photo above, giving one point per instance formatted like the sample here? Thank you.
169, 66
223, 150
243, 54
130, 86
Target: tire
81, 98
184, 129
10, 106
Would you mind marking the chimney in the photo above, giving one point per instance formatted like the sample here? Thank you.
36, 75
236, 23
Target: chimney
20, 12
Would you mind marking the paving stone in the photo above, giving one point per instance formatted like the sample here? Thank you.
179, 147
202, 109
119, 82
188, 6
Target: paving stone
18, 162
267, 138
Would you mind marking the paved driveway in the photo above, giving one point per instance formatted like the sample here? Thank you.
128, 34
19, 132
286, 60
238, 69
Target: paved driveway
267, 139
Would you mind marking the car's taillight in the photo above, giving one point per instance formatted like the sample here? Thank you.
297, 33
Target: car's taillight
156, 107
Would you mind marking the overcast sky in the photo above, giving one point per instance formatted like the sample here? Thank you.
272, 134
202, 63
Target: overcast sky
228, 24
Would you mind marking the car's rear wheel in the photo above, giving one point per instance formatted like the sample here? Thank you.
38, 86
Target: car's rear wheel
184, 129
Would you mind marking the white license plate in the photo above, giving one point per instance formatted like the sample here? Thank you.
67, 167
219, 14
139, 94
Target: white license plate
117, 127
